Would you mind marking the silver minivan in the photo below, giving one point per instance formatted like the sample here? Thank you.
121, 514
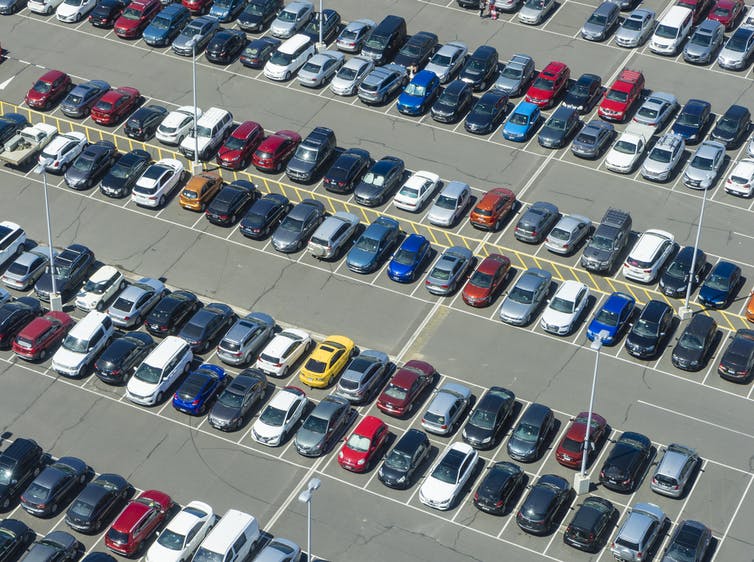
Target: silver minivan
332, 236
675, 470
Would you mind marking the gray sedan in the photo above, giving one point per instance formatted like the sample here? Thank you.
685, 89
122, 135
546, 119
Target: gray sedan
298, 225
738, 50
704, 42
135, 301
636, 28
516, 75
657, 110
27, 268
534, 224
527, 295
320, 68
363, 376
570, 231
704, 166
593, 139
353, 36
449, 271
323, 426
448, 60
601, 22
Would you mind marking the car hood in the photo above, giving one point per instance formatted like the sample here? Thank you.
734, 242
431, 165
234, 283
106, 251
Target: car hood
158, 553
521, 448
391, 474
673, 283
476, 434
686, 131
75, 177
127, 24
410, 99
307, 439
440, 71
507, 84
655, 166
67, 10
697, 50
44, 283
697, 174
221, 412
184, 41
515, 128
140, 388
443, 108
438, 214
152, 33
729, 55
68, 358
286, 237
621, 158
437, 491
591, 29
640, 342
527, 12
515, 310
368, 190
714, 296
555, 318
548, 133
297, 165
475, 292
688, 355
87, 300
281, 27
476, 120
339, 83
267, 431
628, 34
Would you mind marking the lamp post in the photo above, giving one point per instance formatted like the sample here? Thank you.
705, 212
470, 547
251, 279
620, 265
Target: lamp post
306, 497
685, 311
196, 166
321, 45
56, 301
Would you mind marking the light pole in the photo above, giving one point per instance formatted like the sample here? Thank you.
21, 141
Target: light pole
56, 301
321, 45
197, 166
685, 311
306, 497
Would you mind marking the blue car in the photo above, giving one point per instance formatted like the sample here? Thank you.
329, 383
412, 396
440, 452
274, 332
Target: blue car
373, 246
720, 285
82, 98
166, 25
405, 265
692, 120
420, 93
227, 10
199, 388
612, 317
521, 122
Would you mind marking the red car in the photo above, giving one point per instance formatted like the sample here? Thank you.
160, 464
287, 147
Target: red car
135, 18
727, 12
405, 387
42, 334
361, 448
549, 84
51, 87
487, 280
115, 105
273, 151
622, 95
571, 448
698, 8
493, 208
138, 522
238, 149
197, 7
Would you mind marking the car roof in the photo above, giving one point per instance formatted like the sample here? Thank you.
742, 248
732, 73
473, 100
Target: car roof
368, 426
286, 397
617, 300
647, 245
653, 310
724, 268
700, 324
674, 460
535, 413
569, 289
736, 111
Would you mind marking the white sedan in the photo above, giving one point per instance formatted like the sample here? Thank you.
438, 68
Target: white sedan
741, 180
71, 11
62, 150
625, 153
417, 190
320, 68
350, 76
448, 477
176, 125
448, 60
565, 308
157, 183
282, 352
279, 417
183, 534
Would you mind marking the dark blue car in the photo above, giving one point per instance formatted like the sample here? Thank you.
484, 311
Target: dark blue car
407, 261
199, 388
166, 25
373, 245
420, 93
720, 286
612, 317
227, 10
692, 120
80, 100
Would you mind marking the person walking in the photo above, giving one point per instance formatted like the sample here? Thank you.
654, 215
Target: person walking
482, 6
493, 11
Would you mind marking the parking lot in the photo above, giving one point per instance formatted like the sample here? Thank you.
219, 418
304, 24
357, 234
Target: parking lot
355, 516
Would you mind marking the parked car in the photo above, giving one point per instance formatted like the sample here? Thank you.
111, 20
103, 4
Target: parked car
692, 120
485, 283
583, 93
450, 205
15, 316
197, 391
380, 181
612, 318
568, 233
449, 476
279, 417
570, 450
535, 12
499, 488
258, 14
202, 28
737, 51
448, 60
207, 324
231, 202
493, 209
169, 315
183, 533
593, 139
329, 20
740, 181
258, 51
720, 286
24, 271
648, 256
675, 470
674, 281
294, 231
490, 415
166, 25
419, 95
601, 22
274, 151
321, 68
636, 29
176, 126
36, 340
237, 399
481, 68
416, 52
361, 448
522, 122
525, 297
405, 388
122, 356
135, 18
549, 84
226, 10
449, 271
626, 463
737, 362
138, 522
416, 191
447, 408
55, 546
543, 503
135, 301
245, 339
323, 426
157, 183
591, 524
327, 361
81, 99
70, 267
103, 284
663, 158
704, 43
354, 34
97, 502
48, 89
487, 113
91, 165
15, 538
536, 222
143, 123
560, 128
732, 127
350, 76
115, 104
406, 263
399, 469
639, 532
648, 333
283, 351
727, 12
691, 540
453, 102
264, 215
705, 165
57, 484
516, 75
379, 86
696, 343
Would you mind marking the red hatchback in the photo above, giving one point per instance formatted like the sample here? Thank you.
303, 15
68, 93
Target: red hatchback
135, 18
487, 280
115, 105
549, 84
137, 522
571, 448
41, 335
361, 448
698, 8
50, 88
197, 7
238, 149
405, 387
727, 12
273, 151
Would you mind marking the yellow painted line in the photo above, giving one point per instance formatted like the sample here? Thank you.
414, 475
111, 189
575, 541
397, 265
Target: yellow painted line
536, 262
521, 260
364, 213
485, 250
725, 315
572, 271
559, 275
267, 186
332, 207
235, 175
610, 282
413, 225
448, 238
630, 290
431, 232
666, 299
591, 278
130, 146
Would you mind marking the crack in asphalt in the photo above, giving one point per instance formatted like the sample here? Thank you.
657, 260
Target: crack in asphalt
81, 420
180, 256
147, 456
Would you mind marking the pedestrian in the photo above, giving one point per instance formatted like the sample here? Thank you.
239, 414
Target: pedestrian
493, 10
482, 6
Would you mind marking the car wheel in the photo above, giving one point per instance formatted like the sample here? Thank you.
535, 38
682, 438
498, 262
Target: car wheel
43, 354
82, 478
159, 398
162, 201
6, 504
287, 77
54, 508
100, 306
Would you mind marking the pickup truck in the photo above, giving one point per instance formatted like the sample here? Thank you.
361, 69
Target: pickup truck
27, 143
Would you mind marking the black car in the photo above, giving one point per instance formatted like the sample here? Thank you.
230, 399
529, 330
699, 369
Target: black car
416, 52
530, 436
347, 170
258, 52
98, 557
54, 486
487, 113
626, 462
454, 101
97, 502
330, 26
481, 68
206, 325
91, 165
562, 125
19, 464
696, 343
264, 215
173, 310
542, 504
380, 182
258, 14
733, 126
143, 123
106, 12
57, 546
591, 524
231, 202
71, 267
737, 362
583, 93
406, 457
122, 355
674, 281
489, 417
650, 330
15, 538
229, 411
120, 179
14, 316
690, 542
225, 46
501, 485
10, 124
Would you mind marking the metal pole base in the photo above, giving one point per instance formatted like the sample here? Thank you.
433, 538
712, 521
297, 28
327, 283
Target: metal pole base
320, 47
56, 302
685, 312
196, 168
581, 483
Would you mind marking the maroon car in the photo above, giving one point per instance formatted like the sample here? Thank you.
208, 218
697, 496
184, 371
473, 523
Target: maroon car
274, 151
571, 448
115, 105
487, 280
42, 335
51, 87
405, 387
237, 151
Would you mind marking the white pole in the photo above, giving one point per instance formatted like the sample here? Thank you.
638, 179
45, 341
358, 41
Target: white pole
56, 302
321, 20
596, 345
309, 530
696, 249
193, 78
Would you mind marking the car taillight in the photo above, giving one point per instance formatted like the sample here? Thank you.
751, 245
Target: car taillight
499, 503
647, 270
195, 402
476, 496
639, 555
443, 426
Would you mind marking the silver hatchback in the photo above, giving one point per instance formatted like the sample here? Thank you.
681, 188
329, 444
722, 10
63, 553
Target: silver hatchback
568, 233
447, 408
675, 470
363, 376
333, 235
640, 531
246, 338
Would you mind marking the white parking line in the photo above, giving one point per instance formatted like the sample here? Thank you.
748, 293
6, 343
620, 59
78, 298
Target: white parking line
732, 519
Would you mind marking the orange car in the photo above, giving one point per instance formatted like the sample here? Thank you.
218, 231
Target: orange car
493, 208
750, 308
199, 191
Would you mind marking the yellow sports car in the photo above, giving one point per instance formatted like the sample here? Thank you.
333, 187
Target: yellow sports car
327, 361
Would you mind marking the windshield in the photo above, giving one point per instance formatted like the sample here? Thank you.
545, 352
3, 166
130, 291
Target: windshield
398, 460
131, 14
691, 341
161, 22
374, 179
535, 4
348, 73
287, 16
526, 432
441, 60
404, 257
661, 155
83, 164
41, 87
562, 305
597, 19
542, 83
376, 42
688, 119
81, 508
666, 31
728, 125
367, 244
254, 10
446, 472
701, 163
204, 555
445, 202
291, 224
281, 59
738, 43
519, 119
617, 95
72, 343
148, 374
311, 67
411, 50
648, 112
415, 90
646, 329
230, 399
717, 282
358, 443
96, 288
440, 274
560, 234
557, 124
483, 419
512, 72
607, 318
679, 269
701, 39
272, 416
171, 540
632, 24
315, 424
626, 147
522, 296
483, 280
306, 154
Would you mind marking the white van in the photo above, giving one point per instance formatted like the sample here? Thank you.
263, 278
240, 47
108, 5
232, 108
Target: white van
671, 31
289, 58
83, 343
212, 128
230, 540
159, 370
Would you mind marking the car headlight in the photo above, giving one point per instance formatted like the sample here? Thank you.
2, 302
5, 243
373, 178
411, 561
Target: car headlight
486, 440
340, 455
361, 462
401, 480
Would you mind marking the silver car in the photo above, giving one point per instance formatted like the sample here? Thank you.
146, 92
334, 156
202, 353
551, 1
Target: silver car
448, 60
246, 338
568, 233
599, 25
675, 470
354, 35
333, 235
657, 110
294, 230
450, 204
593, 139
705, 165
516, 75
449, 271
737, 51
204, 27
135, 301
636, 28
364, 376
27, 268
641, 529
279, 550
447, 408
323, 426
525, 297
534, 12
292, 19
351, 74
663, 158
704, 42
320, 68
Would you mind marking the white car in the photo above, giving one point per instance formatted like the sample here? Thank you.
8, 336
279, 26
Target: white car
12, 240
157, 183
282, 352
99, 288
183, 534
741, 180
625, 153
417, 190
450, 205
320, 68
350, 76
448, 477
62, 150
43, 6
279, 417
651, 251
176, 125
448, 60
565, 308
72, 11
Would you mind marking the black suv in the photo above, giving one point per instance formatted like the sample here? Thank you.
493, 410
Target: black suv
311, 154
144, 122
481, 68
19, 464
416, 52
71, 267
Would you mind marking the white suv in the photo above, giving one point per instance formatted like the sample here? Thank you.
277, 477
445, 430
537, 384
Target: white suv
62, 150
102, 285
12, 240
159, 370
211, 130
174, 128
82, 344
283, 351
157, 183
648, 255
565, 308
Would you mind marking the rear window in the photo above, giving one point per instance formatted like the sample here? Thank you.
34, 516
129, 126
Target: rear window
626, 543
